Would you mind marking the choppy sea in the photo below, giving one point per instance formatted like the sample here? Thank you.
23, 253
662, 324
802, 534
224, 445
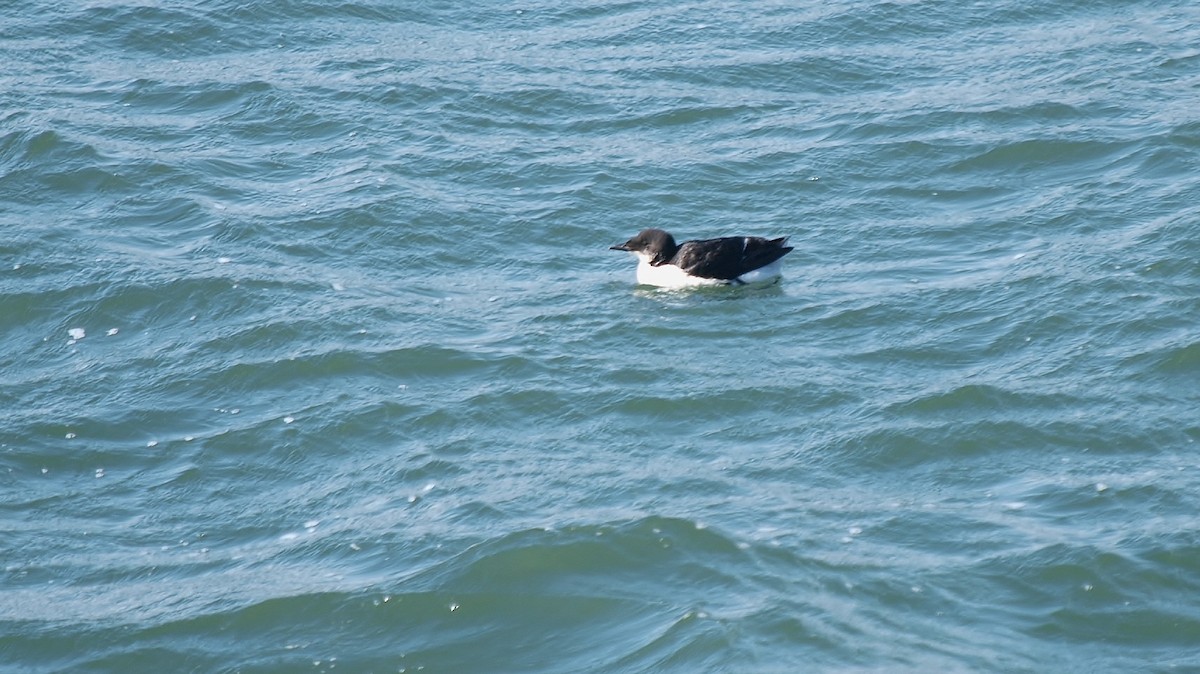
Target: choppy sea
314, 358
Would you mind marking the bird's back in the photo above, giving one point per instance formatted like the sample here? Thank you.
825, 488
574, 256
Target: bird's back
729, 257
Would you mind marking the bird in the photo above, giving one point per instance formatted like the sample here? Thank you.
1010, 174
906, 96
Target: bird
731, 260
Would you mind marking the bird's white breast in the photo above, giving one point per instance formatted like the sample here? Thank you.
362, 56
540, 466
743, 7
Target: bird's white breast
669, 276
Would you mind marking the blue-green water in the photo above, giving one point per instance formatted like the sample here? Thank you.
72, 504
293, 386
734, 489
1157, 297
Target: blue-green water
313, 356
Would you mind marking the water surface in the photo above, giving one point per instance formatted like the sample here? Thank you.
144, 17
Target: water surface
313, 356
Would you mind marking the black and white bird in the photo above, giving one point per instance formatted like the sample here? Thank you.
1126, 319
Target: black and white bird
732, 260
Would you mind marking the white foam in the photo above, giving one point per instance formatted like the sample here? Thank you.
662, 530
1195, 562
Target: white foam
77, 333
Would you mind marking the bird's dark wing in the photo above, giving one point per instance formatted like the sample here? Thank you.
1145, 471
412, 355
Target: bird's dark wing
730, 257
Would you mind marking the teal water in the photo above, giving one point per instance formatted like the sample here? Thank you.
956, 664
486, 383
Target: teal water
313, 357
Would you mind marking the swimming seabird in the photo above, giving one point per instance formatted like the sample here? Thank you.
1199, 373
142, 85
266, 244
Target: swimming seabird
731, 260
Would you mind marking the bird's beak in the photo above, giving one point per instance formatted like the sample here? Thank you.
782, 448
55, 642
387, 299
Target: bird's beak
620, 246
